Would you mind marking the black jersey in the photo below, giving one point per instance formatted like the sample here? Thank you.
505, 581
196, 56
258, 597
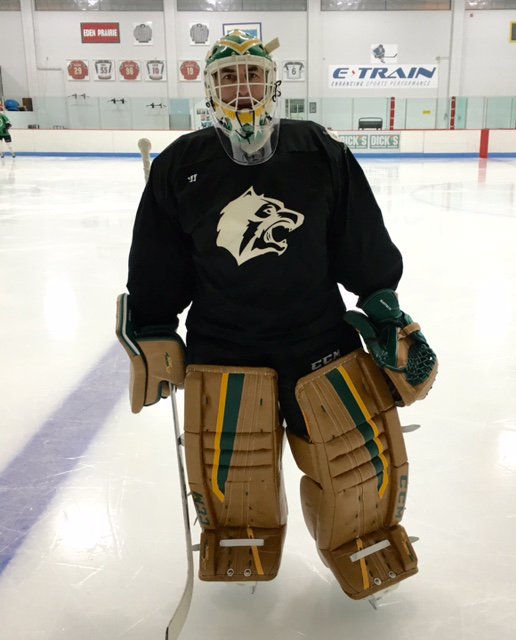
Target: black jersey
258, 250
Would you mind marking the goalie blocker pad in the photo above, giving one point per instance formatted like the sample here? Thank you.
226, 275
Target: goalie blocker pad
233, 448
353, 494
155, 361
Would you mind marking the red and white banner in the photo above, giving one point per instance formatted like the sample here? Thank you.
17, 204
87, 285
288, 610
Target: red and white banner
129, 70
190, 71
77, 70
155, 70
100, 32
103, 70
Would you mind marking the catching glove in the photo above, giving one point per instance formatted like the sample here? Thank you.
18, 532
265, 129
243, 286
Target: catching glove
396, 344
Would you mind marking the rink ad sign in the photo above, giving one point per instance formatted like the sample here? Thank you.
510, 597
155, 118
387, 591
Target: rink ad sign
372, 141
100, 32
386, 76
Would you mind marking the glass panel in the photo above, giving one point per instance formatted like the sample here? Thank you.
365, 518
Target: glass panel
371, 113
98, 5
241, 5
9, 5
180, 113
337, 113
417, 5
421, 113
489, 4
475, 112
131, 5
498, 113
209, 5
512, 123
81, 111
442, 114
50, 112
400, 113
352, 5
385, 5
274, 5
295, 108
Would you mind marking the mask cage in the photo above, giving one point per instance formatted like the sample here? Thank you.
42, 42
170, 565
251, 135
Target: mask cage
241, 83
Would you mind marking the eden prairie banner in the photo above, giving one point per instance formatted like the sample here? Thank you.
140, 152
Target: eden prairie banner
386, 76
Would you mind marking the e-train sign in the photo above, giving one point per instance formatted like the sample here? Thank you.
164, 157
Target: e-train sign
386, 76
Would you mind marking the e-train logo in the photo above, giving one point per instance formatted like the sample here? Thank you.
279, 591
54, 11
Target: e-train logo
385, 76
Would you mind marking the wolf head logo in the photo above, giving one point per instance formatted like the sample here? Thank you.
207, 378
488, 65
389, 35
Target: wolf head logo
253, 225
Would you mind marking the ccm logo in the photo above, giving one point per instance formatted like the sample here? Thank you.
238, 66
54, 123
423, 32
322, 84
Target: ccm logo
200, 507
402, 497
326, 360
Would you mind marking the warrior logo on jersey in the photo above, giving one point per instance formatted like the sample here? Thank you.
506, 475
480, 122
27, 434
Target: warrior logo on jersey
253, 225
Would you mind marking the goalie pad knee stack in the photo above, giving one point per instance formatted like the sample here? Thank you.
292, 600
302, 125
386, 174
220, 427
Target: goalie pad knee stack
233, 447
354, 490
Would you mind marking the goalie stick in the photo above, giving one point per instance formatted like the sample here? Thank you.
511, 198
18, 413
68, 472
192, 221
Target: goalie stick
144, 145
179, 616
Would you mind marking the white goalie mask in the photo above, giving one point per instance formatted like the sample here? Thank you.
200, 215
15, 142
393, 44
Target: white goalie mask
242, 95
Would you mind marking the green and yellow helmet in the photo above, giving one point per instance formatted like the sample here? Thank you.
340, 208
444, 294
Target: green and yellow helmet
242, 93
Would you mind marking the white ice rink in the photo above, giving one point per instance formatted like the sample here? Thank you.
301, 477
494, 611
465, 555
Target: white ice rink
91, 534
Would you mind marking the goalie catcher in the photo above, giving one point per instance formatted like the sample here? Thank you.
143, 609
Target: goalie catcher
255, 222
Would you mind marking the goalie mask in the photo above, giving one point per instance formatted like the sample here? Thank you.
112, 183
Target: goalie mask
242, 93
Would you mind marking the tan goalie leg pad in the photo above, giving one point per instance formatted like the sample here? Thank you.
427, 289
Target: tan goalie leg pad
233, 446
354, 490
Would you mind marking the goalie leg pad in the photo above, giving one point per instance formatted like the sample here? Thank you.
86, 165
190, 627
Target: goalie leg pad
233, 448
354, 490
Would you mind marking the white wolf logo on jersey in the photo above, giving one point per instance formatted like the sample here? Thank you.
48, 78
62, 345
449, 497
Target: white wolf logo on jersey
253, 225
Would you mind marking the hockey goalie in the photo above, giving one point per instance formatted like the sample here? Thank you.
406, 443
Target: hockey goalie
252, 224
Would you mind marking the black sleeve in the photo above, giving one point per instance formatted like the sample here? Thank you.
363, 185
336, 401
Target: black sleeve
161, 274
363, 257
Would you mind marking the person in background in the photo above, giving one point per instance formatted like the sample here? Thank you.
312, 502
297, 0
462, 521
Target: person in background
5, 134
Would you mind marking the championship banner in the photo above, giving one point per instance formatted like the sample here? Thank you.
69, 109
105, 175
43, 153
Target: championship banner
189, 71
77, 70
103, 70
199, 33
129, 70
100, 32
386, 76
155, 70
294, 70
142, 33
